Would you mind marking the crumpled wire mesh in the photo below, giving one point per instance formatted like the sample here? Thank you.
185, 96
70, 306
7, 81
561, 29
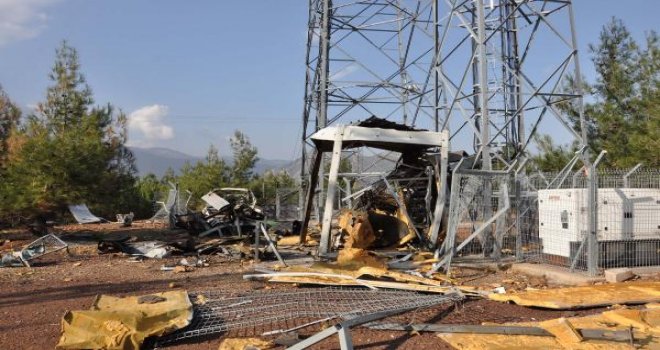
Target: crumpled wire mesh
256, 312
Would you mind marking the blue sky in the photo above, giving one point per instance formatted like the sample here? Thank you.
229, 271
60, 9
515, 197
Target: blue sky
190, 72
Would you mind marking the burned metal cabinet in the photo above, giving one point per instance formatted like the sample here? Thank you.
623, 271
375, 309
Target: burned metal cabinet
384, 135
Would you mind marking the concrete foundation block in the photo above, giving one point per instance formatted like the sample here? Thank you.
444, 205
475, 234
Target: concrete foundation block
555, 275
618, 275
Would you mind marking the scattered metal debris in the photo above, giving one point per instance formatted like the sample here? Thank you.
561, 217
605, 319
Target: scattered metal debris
148, 249
125, 220
82, 214
586, 333
38, 248
342, 329
230, 211
366, 276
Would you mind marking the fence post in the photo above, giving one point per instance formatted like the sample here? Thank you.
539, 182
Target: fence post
518, 189
592, 209
277, 204
627, 175
519, 231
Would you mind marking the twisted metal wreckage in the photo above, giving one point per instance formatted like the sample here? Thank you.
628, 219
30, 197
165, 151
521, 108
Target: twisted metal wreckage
415, 194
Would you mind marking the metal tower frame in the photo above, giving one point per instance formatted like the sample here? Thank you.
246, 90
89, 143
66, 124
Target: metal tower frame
503, 68
491, 72
364, 58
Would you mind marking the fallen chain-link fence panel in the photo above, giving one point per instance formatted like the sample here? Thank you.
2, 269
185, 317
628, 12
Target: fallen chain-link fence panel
254, 313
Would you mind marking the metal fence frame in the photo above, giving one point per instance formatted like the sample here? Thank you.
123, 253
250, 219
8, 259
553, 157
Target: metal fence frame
609, 203
604, 233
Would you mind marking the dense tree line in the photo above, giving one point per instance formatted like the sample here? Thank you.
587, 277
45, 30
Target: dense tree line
213, 172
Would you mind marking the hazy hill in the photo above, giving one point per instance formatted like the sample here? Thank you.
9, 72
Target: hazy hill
157, 160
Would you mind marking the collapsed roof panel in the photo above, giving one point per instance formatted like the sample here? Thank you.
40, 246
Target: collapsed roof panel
384, 136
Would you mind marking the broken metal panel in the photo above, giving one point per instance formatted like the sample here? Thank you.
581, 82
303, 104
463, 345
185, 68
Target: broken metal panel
230, 211
38, 248
385, 139
215, 201
82, 214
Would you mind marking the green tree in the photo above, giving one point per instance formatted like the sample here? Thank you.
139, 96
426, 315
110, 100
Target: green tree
245, 158
10, 115
69, 151
168, 177
266, 185
149, 187
623, 114
551, 157
203, 176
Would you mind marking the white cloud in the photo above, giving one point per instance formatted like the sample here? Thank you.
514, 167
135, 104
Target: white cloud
150, 122
344, 72
22, 19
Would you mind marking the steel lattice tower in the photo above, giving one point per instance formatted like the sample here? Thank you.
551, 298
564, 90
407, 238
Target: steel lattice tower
492, 72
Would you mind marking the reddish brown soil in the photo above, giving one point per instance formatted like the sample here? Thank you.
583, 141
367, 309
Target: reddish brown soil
32, 300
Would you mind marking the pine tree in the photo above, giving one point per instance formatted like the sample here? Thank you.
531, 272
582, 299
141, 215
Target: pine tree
265, 186
623, 113
70, 151
551, 157
10, 115
203, 176
245, 158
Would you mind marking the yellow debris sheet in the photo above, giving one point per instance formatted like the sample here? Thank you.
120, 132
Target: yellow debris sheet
644, 323
124, 323
357, 257
245, 344
335, 275
295, 240
588, 296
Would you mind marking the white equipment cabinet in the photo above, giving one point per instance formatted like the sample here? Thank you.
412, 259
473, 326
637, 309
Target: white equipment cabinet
624, 214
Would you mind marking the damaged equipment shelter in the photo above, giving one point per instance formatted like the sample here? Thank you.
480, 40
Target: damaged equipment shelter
423, 164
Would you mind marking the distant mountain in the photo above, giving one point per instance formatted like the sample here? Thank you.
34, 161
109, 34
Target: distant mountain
157, 160
264, 165
371, 163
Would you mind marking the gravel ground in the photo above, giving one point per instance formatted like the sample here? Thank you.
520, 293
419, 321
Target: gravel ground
33, 300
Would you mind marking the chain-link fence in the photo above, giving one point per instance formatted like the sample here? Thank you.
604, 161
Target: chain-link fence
545, 218
481, 218
555, 219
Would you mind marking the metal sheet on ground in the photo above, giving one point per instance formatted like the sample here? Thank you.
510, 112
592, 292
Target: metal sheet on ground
643, 339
